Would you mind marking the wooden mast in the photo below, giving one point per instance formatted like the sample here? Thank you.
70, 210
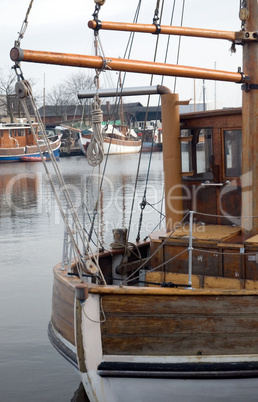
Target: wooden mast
250, 124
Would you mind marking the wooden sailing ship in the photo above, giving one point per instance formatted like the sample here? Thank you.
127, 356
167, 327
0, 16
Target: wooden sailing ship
188, 328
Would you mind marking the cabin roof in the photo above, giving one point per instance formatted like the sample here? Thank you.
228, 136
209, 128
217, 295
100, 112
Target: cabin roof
211, 113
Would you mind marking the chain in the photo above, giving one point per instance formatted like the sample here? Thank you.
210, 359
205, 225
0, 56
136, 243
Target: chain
243, 6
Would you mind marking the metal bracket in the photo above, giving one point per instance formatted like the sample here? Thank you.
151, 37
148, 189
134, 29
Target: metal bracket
245, 78
96, 18
248, 87
246, 36
98, 26
158, 28
156, 22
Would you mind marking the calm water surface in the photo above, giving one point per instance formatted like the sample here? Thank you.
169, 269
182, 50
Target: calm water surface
31, 237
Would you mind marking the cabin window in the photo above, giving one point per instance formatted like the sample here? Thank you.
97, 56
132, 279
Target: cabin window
186, 151
196, 152
19, 133
233, 153
203, 151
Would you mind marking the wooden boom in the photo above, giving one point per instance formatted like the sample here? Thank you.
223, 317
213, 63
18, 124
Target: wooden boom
116, 64
163, 29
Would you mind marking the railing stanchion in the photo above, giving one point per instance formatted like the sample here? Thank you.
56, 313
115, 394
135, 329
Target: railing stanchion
190, 249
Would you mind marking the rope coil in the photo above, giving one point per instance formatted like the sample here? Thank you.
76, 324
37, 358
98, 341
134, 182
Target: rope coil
95, 150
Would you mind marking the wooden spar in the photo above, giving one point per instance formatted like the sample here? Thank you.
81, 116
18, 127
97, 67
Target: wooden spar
249, 178
116, 64
163, 29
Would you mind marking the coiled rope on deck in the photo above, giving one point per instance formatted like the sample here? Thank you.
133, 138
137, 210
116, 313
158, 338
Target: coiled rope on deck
95, 150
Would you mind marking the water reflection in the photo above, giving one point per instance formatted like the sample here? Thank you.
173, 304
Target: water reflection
18, 192
26, 193
31, 235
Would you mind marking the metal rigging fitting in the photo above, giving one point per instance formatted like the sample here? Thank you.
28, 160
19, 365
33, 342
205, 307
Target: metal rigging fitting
243, 14
95, 15
18, 74
22, 89
156, 21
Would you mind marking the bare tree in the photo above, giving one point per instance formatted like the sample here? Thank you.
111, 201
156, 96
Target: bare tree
59, 98
9, 102
75, 83
7, 83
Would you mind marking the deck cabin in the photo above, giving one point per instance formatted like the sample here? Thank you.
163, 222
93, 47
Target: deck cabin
211, 164
16, 135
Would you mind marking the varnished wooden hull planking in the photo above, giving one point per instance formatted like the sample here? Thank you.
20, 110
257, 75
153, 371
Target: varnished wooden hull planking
174, 325
63, 308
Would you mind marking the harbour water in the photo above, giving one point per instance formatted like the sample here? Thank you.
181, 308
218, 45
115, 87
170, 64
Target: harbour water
31, 242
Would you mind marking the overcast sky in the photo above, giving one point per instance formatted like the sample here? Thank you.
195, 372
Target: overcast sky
61, 26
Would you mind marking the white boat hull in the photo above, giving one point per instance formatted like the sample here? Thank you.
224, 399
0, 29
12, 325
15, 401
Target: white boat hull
112, 146
153, 390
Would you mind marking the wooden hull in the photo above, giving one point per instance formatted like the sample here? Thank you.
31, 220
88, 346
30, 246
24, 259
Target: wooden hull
28, 153
158, 343
112, 146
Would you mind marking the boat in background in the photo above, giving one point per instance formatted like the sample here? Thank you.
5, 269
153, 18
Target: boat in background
115, 141
151, 138
17, 143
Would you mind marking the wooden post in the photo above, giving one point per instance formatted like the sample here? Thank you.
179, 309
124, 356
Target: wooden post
250, 127
172, 159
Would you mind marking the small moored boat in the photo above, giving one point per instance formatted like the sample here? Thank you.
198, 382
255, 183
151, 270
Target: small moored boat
17, 143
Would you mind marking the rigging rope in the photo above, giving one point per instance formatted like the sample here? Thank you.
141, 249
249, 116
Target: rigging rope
24, 92
131, 277
143, 203
179, 42
24, 26
120, 83
115, 108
